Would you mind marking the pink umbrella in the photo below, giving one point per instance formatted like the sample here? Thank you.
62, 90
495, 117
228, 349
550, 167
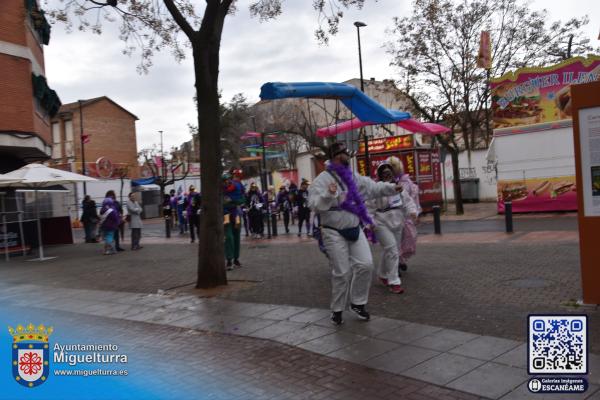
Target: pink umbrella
408, 124
252, 135
275, 143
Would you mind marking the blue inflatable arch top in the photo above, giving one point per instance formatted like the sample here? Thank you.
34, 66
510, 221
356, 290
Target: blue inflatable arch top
362, 106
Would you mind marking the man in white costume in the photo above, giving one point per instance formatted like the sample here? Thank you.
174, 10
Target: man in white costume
390, 214
337, 195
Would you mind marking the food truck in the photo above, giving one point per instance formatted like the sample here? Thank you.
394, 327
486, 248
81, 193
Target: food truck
421, 163
532, 146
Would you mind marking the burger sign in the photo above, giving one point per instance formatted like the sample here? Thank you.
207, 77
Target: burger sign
536, 95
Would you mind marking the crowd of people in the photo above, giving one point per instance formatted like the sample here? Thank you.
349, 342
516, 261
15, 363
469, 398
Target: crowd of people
108, 225
343, 210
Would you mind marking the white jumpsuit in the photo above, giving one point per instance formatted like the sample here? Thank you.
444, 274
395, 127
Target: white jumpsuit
389, 215
351, 262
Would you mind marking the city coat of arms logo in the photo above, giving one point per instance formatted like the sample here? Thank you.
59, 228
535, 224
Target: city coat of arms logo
30, 354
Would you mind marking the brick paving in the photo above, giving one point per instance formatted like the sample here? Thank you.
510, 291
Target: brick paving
481, 283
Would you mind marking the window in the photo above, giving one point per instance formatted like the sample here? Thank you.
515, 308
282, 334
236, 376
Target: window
69, 148
56, 142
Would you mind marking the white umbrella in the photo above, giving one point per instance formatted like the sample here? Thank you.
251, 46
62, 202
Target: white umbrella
38, 176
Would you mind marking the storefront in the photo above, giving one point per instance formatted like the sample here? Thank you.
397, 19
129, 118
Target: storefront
422, 164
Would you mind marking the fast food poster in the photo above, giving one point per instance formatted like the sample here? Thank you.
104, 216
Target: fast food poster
539, 194
537, 95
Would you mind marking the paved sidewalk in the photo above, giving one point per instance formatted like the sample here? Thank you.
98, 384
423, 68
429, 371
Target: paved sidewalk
453, 361
489, 211
465, 284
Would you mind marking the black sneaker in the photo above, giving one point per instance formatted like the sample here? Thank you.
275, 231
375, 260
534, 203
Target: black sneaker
360, 312
403, 267
237, 263
229, 266
336, 318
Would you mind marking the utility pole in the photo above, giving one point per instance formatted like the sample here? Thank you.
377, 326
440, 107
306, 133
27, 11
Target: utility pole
363, 132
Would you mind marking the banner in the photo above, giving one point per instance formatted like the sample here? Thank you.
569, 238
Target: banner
426, 163
538, 95
484, 57
539, 194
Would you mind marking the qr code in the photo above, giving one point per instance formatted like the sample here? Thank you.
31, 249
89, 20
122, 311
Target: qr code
557, 344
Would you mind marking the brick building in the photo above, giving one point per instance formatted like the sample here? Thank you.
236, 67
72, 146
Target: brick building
26, 101
110, 136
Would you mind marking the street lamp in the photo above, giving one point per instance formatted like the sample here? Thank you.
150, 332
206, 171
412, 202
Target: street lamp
359, 25
82, 139
263, 177
162, 158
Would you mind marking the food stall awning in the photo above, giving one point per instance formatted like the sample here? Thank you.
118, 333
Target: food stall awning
410, 124
361, 105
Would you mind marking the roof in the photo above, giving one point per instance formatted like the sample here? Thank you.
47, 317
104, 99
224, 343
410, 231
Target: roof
71, 107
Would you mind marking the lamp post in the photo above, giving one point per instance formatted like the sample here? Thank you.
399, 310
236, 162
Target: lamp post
82, 139
162, 157
359, 25
263, 177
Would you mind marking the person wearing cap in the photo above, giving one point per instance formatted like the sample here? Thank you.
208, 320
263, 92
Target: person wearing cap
231, 221
408, 246
390, 214
194, 205
338, 195
255, 203
303, 208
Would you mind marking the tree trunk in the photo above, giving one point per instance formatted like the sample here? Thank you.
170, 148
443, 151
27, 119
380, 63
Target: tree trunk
458, 201
211, 253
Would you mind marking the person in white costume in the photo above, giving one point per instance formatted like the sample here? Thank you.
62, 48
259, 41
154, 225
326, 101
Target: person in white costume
337, 195
408, 245
390, 214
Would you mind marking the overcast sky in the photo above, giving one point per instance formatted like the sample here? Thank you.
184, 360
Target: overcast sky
82, 65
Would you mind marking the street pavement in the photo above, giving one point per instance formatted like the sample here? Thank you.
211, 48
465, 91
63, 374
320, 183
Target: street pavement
463, 287
381, 359
176, 356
